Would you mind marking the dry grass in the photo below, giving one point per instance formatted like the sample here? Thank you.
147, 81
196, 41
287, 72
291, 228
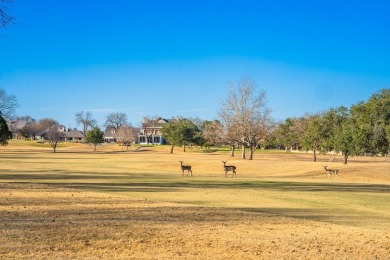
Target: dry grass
136, 205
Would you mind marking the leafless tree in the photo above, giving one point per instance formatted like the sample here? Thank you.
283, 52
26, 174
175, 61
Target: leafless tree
212, 133
245, 110
8, 104
231, 137
85, 118
126, 135
53, 136
31, 129
116, 120
51, 131
23, 126
46, 123
5, 18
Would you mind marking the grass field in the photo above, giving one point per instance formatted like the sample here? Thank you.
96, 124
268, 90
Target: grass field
137, 205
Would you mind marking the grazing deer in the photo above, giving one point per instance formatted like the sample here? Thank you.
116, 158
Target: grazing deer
228, 168
185, 168
333, 158
331, 171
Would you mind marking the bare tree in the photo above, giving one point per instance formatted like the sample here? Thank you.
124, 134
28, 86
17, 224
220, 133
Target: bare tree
212, 133
116, 120
245, 111
85, 118
22, 126
46, 123
5, 18
126, 135
231, 137
8, 104
53, 135
31, 129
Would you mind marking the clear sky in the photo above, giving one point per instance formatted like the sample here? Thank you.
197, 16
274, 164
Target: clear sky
174, 58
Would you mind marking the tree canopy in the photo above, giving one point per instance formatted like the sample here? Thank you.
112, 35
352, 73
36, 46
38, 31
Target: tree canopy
5, 134
5, 17
8, 104
362, 129
95, 136
85, 118
116, 120
181, 132
245, 113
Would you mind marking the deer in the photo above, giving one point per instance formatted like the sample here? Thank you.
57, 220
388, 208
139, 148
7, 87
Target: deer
331, 171
228, 168
185, 168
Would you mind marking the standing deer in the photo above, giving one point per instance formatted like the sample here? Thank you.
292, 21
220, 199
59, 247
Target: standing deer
228, 168
331, 171
185, 168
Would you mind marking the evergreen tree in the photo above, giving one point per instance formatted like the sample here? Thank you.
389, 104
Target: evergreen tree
183, 132
5, 134
95, 137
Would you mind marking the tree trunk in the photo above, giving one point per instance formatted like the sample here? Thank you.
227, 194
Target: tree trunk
54, 146
94, 148
172, 148
346, 154
184, 147
251, 150
314, 155
232, 151
243, 152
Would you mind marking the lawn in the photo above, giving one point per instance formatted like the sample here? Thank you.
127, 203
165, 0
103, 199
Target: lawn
137, 205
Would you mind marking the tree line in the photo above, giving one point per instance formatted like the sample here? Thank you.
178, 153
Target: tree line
362, 129
245, 122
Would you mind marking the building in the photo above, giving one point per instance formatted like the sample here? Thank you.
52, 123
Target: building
112, 135
74, 136
109, 135
150, 131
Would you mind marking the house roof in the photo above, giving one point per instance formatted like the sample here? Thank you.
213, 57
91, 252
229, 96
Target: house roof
157, 122
109, 132
74, 134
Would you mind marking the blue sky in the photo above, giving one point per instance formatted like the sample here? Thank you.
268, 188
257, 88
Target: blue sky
174, 58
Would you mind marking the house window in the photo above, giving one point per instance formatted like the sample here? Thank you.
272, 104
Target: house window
150, 139
142, 139
156, 139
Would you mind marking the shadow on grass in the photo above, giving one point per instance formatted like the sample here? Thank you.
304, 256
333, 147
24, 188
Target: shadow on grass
73, 209
125, 182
